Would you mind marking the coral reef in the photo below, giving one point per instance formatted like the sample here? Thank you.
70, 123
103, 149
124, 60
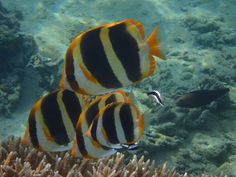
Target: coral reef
18, 160
15, 50
197, 137
47, 69
213, 34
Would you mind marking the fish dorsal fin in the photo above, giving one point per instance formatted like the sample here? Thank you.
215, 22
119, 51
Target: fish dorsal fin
102, 110
88, 132
153, 44
139, 26
122, 93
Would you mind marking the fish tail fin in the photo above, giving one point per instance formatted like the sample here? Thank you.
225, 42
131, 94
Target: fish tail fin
153, 44
141, 125
26, 136
152, 65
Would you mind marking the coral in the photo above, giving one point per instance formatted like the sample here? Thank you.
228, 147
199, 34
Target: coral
9, 94
18, 160
209, 32
206, 153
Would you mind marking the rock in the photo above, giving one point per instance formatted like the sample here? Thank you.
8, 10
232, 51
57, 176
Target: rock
228, 167
212, 148
15, 51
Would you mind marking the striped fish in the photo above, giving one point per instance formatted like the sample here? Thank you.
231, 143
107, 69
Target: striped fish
52, 121
117, 124
108, 57
84, 146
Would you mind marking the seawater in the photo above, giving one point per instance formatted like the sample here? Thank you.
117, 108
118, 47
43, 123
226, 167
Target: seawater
198, 41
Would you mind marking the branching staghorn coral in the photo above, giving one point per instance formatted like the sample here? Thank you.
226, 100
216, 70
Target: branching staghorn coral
17, 160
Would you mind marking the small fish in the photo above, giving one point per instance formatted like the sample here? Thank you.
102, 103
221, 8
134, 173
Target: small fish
200, 97
156, 96
116, 125
109, 57
84, 146
52, 121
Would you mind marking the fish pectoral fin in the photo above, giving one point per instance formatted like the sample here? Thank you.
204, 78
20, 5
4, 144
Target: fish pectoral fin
26, 136
88, 133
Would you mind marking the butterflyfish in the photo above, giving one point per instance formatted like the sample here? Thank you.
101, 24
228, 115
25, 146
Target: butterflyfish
52, 121
200, 98
84, 146
117, 124
109, 57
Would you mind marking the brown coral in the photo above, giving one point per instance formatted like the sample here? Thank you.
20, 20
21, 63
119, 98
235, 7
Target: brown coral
17, 160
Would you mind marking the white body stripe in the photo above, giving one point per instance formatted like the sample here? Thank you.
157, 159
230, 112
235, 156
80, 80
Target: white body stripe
113, 60
143, 49
91, 149
135, 122
43, 141
70, 130
119, 129
101, 139
82, 81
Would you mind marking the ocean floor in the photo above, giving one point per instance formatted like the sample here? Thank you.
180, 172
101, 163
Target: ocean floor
198, 39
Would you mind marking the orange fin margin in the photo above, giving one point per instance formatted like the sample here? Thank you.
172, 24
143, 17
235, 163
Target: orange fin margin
123, 94
141, 126
152, 65
153, 44
139, 26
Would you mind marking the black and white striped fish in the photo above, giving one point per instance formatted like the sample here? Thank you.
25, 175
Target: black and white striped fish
108, 57
117, 124
52, 121
84, 146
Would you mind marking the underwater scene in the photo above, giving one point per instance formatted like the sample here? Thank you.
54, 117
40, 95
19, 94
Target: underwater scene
113, 88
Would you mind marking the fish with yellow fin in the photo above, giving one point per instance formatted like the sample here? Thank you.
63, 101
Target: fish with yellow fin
109, 57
